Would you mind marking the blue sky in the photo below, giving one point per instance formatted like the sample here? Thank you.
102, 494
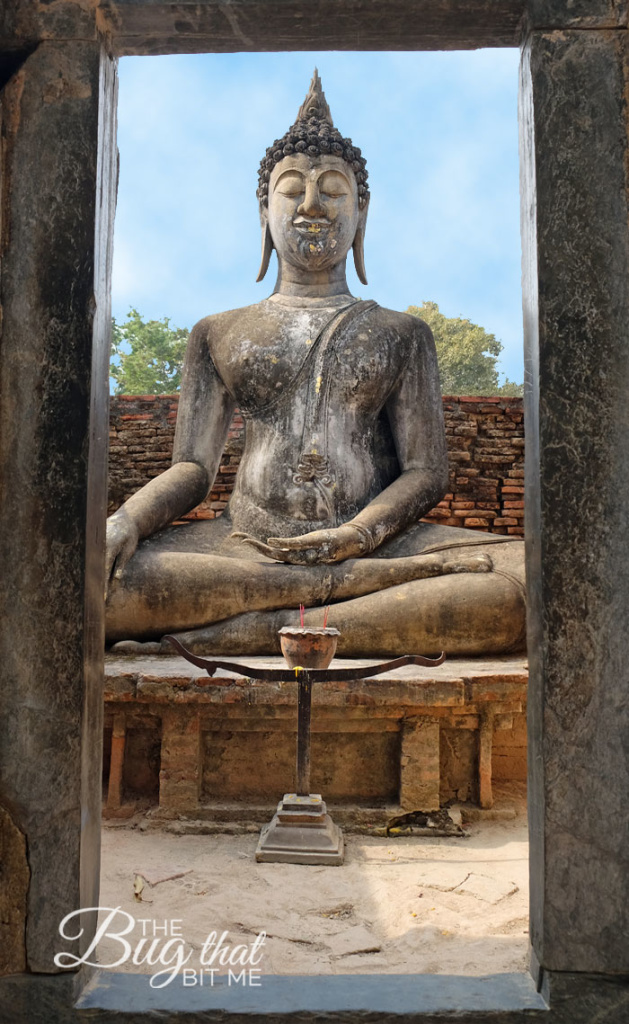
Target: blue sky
439, 131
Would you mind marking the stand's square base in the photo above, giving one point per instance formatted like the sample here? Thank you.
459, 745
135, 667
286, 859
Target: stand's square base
301, 832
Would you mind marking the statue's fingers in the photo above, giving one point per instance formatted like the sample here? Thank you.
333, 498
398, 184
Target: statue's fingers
124, 557
288, 543
279, 550
110, 558
113, 575
300, 543
321, 547
277, 554
119, 565
308, 556
245, 538
259, 545
294, 557
109, 568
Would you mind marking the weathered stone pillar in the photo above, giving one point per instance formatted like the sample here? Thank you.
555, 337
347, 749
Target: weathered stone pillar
116, 764
576, 304
58, 193
419, 772
180, 769
485, 749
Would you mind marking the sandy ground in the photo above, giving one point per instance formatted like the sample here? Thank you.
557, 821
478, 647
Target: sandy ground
438, 906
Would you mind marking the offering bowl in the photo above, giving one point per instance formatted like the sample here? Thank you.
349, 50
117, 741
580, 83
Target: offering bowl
308, 646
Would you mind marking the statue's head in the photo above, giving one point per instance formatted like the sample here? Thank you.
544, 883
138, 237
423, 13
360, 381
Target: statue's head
313, 192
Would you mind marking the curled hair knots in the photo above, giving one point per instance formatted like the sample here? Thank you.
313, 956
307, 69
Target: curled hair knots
315, 137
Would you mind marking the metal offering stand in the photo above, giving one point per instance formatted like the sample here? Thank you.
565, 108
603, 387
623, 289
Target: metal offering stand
301, 831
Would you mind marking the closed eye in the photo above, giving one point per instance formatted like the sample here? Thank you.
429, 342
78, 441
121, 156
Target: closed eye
291, 183
334, 184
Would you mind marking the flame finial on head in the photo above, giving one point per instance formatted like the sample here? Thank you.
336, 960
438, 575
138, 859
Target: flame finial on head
315, 103
314, 134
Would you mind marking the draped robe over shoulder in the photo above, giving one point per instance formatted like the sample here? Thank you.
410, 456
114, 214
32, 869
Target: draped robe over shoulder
379, 410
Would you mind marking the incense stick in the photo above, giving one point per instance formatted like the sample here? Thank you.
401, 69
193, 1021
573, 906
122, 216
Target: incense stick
301, 614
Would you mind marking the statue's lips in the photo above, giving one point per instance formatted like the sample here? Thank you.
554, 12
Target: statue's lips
311, 228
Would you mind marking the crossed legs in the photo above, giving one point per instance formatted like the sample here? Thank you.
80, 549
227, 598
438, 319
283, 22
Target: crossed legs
165, 591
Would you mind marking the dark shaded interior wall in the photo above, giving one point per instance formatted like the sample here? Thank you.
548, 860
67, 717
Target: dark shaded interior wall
57, 214
576, 309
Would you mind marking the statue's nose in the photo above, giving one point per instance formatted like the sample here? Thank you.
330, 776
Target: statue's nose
312, 205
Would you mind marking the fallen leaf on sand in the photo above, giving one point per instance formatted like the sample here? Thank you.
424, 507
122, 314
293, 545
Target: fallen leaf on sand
138, 887
155, 877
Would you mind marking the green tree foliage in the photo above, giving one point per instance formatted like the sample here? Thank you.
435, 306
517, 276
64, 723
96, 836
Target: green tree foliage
147, 356
467, 354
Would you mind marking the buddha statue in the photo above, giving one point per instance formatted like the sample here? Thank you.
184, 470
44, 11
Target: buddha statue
344, 454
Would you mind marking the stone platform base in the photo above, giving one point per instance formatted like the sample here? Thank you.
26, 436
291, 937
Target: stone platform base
301, 832
413, 739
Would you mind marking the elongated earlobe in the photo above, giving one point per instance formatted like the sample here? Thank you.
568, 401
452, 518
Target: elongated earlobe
267, 249
358, 249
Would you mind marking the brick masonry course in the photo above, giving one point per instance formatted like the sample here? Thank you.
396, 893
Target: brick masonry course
485, 449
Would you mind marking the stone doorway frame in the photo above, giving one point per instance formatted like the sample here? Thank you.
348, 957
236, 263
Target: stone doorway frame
57, 196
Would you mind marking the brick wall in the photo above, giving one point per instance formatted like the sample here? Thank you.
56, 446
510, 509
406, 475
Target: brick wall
485, 447
141, 431
486, 458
